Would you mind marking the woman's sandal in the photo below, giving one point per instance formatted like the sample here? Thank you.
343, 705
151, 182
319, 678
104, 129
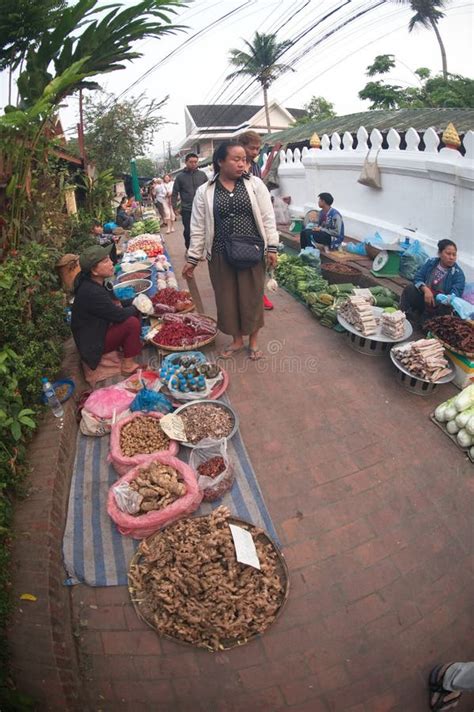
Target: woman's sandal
255, 354
230, 352
441, 700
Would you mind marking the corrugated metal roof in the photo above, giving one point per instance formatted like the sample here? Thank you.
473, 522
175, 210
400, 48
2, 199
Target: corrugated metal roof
399, 119
228, 114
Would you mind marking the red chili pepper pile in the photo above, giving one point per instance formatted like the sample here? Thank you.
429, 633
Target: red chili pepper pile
174, 298
213, 467
184, 330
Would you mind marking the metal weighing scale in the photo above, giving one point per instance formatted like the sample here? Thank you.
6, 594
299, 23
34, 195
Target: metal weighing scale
387, 262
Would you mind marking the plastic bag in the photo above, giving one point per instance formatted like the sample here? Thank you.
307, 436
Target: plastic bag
147, 400
358, 248
282, 213
104, 402
143, 304
122, 463
143, 525
128, 500
93, 426
212, 487
311, 256
460, 306
468, 293
413, 258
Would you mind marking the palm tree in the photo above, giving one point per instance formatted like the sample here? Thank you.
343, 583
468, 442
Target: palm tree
427, 14
260, 62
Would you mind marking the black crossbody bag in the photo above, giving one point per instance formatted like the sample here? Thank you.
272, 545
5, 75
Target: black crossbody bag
241, 251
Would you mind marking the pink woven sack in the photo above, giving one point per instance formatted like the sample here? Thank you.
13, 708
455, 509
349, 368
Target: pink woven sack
121, 463
143, 525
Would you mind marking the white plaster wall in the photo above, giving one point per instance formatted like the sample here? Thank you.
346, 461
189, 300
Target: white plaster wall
425, 194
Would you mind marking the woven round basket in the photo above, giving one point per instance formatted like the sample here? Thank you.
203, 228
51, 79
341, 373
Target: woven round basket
468, 354
334, 276
257, 533
193, 347
188, 310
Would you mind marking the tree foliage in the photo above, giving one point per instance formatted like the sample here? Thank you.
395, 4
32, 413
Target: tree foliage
427, 14
317, 108
260, 61
456, 91
146, 167
104, 43
117, 131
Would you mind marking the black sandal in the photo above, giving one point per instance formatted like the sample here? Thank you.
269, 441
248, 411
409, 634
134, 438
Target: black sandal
441, 700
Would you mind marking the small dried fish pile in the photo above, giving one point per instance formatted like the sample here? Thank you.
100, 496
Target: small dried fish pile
455, 332
358, 312
204, 420
142, 435
159, 487
393, 324
424, 358
188, 584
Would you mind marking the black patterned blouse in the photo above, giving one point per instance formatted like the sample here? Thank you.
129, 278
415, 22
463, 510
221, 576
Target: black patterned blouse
232, 214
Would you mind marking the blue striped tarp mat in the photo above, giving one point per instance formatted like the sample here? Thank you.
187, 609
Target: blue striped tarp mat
95, 552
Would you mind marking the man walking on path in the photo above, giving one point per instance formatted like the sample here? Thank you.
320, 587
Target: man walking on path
185, 186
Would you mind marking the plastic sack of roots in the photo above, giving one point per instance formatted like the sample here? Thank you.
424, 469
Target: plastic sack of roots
215, 473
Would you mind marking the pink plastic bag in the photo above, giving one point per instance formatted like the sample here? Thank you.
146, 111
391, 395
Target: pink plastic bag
103, 402
121, 463
143, 525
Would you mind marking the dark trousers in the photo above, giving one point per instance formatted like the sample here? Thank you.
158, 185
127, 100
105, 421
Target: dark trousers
412, 302
125, 335
308, 237
186, 218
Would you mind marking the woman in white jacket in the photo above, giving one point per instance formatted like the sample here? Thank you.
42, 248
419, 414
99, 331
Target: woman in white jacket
233, 202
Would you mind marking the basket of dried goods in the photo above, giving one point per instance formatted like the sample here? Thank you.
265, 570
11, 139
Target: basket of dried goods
338, 273
187, 582
136, 439
184, 332
170, 301
214, 469
454, 333
206, 420
152, 496
128, 277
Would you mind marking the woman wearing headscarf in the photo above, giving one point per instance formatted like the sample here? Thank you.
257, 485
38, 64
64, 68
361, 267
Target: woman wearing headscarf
229, 209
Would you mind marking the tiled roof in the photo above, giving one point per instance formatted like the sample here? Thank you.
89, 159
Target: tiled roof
228, 114
399, 119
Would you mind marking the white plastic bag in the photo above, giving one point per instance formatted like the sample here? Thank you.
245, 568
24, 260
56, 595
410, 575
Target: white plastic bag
212, 487
128, 500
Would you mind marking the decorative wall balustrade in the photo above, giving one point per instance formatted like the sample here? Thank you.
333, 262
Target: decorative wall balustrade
427, 189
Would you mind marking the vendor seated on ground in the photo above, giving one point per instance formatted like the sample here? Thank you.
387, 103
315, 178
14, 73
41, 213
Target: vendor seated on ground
99, 324
329, 229
439, 275
123, 219
104, 239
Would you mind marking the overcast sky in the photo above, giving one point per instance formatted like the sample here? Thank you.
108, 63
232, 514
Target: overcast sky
334, 68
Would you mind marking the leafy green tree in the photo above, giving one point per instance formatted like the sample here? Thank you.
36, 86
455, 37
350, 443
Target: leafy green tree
317, 108
146, 167
456, 91
105, 42
260, 61
427, 14
22, 23
117, 131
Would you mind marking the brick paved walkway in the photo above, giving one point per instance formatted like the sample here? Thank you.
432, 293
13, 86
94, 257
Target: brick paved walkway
374, 507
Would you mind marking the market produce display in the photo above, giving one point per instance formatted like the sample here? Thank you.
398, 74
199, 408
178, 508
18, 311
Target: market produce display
359, 312
187, 584
457, 416
393, 324
184, 331
158, 486
189, 378
221, 483
455, 332
170, 300
142, 435
423, 358
150, 225
206, 420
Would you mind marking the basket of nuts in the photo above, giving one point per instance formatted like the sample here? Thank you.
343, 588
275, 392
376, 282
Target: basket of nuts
136, 439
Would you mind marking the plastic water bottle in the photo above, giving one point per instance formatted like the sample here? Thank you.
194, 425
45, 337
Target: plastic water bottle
52, 399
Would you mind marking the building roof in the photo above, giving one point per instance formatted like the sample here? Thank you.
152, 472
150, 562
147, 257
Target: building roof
228, 114
399, 119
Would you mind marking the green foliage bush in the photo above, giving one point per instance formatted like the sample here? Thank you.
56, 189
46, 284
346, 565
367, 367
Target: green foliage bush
32, 332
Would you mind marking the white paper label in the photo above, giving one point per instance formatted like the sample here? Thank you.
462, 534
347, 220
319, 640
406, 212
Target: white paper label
245, 551
173, 426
